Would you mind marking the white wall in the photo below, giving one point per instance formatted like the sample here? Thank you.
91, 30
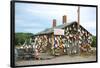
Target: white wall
5, 33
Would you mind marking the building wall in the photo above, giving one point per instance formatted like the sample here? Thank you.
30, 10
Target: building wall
70, 43
76, 38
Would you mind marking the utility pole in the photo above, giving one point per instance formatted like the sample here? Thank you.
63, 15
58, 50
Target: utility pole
78, 12
78, 24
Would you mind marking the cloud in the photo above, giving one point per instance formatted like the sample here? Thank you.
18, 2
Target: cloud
88, 14
53, 11
90, 26
36, 17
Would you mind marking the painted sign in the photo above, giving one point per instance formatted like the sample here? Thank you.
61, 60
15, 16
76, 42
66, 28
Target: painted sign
58, 32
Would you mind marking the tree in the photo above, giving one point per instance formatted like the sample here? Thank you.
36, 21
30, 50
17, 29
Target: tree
20, 38
94, 41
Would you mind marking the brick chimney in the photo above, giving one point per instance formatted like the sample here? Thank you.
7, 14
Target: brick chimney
64, 19
54, 23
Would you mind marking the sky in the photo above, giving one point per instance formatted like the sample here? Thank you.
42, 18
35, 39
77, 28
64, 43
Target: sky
34, 18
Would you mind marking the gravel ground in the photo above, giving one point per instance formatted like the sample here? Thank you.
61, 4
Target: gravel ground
60, 59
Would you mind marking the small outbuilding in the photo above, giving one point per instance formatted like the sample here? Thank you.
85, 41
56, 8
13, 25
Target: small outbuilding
63, 39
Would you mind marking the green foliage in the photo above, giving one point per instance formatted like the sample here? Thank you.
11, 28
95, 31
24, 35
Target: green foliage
94, 41
20, 38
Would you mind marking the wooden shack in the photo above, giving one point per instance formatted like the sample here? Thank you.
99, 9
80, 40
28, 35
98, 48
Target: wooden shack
67, 43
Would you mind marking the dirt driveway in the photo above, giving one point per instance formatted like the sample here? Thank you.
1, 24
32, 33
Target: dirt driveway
60, 59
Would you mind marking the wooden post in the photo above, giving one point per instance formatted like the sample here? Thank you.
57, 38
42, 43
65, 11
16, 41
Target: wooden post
78, 23
53, 44
78, 12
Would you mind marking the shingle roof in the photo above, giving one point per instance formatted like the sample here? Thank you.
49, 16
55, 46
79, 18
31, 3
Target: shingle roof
64, 25
50, 30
